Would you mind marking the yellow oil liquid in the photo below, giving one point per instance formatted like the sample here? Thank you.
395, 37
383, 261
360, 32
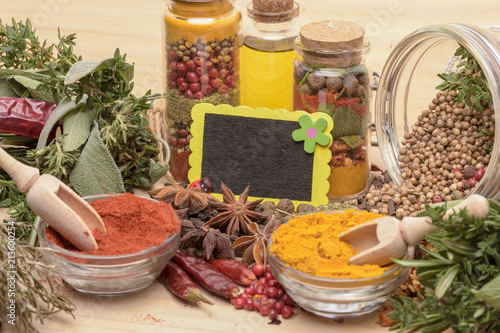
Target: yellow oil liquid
266, 78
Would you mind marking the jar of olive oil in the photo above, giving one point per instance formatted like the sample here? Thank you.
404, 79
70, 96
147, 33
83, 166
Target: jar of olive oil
331, 76
201, 65
267, 54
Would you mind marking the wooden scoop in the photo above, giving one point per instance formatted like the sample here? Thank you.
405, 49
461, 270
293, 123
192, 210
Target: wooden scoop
55, 203
386, 237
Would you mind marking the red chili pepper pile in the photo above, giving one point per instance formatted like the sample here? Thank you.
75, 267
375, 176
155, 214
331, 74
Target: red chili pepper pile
266, 296
24, 116
263, 293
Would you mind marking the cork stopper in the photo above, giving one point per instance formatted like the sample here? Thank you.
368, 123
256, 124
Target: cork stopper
272, 6
330, 43
273, 11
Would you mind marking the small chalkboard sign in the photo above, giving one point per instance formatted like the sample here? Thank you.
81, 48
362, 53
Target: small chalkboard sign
280, 154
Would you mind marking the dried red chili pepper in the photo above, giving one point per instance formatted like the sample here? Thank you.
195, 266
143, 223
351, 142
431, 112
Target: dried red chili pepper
234, 270
24, 116
180, 284
213, 280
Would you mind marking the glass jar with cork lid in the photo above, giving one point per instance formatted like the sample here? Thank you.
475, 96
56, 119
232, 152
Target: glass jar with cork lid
331, 76
267, 54
201, 65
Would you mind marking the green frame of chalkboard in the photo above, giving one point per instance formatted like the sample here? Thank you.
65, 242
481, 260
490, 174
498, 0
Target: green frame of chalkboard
268, 154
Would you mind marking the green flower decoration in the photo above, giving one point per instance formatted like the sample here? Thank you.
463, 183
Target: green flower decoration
311, 133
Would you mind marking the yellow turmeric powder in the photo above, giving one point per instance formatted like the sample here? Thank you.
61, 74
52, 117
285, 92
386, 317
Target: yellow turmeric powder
310, 244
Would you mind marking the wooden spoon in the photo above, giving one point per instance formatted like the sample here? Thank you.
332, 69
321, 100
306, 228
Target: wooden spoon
386, 237
55, 203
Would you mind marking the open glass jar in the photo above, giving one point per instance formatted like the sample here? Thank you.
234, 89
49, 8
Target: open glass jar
331, 76
201, 65
408, 85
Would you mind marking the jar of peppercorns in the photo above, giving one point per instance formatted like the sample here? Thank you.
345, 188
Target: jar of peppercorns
200, 66
331, 76
436, 114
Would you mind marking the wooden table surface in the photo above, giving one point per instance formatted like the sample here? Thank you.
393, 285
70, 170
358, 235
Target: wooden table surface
135, 28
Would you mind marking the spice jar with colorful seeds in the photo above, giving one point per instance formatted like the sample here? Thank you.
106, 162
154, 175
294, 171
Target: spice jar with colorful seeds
201, 65
331, 76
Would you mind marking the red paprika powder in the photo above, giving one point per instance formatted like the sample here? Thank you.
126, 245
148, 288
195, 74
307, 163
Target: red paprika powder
133, 224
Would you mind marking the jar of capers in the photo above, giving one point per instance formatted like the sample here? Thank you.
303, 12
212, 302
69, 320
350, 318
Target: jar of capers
201, 65
331, 76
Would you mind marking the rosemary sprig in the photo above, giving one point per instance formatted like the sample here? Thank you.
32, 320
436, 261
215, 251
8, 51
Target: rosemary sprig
453, 275
33, 293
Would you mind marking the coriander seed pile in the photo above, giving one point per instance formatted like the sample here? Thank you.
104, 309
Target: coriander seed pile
444, 155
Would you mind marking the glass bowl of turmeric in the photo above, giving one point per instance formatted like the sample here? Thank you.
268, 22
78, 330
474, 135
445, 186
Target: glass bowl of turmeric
142, 236
312, 264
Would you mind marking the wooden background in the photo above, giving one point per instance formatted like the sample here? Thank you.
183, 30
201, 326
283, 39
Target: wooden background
135, 28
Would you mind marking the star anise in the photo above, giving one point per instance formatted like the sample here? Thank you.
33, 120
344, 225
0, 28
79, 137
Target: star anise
212, 241
253, 248
235, 215
192, 198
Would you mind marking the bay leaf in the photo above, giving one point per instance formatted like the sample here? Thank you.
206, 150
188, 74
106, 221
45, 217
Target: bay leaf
346, 122
66, 105
76, 126
490, 293
352, 141
96, 171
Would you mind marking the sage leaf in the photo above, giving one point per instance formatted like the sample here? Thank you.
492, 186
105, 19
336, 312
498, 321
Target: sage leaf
96, 171
156, 171
33, 88
5, 88
76, 126
18, 88
80, 70
490, 293
26, 81
85, 67
23, 72
66, 105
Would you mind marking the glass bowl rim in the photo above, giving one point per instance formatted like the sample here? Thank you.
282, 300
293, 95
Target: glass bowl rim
59, 250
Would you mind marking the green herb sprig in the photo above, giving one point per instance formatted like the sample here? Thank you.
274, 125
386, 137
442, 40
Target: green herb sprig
455, 277
469, 82
34, 297
89, 94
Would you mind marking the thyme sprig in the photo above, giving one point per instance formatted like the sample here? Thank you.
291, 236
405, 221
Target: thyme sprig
469, 82
22, 49
466, 261
34, 295
53, 159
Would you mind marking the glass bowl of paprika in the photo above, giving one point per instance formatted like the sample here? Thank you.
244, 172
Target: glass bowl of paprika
329, 287
142, 236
